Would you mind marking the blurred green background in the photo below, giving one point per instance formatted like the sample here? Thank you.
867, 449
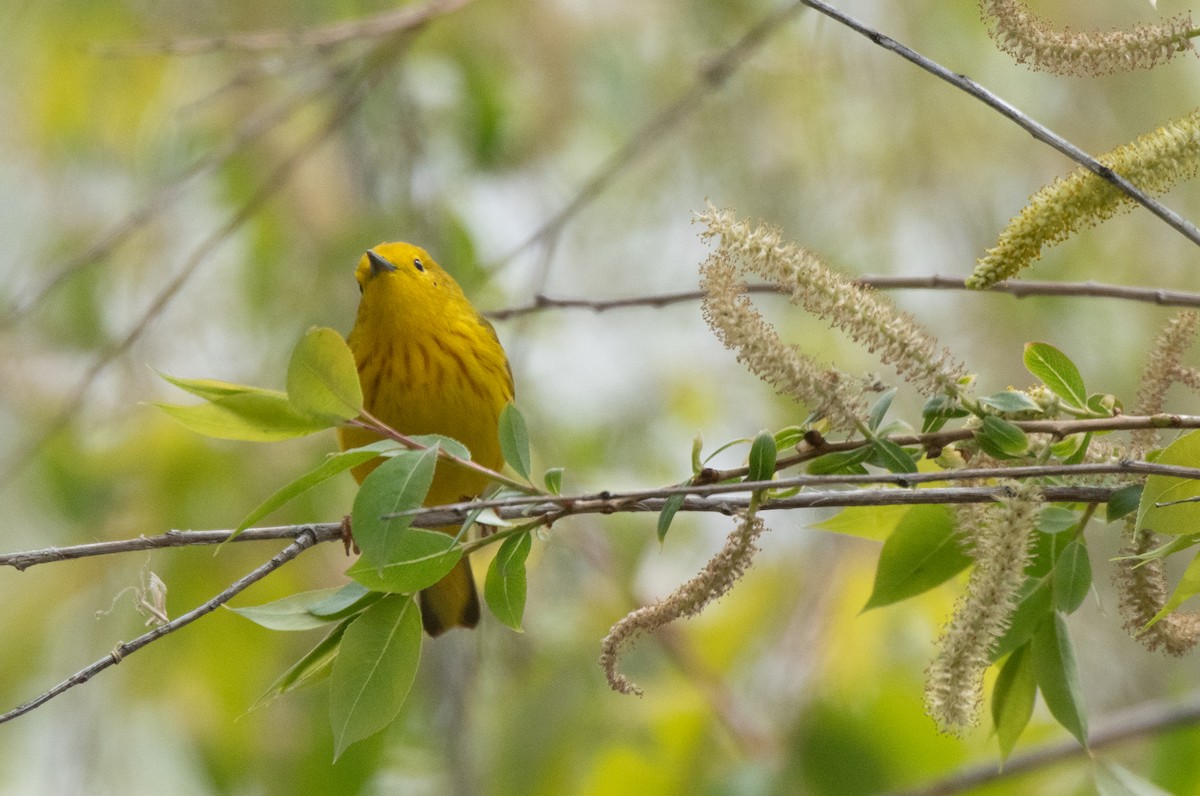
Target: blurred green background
120, 173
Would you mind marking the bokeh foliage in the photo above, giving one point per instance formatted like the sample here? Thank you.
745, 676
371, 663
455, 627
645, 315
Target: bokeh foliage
483, 127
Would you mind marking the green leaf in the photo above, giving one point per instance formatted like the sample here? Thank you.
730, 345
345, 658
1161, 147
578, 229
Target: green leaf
312, 668
670, 506
1001, 435
892, 456
1034, 607
1111, 779
398, 485
1057, 371
880, 409
1189, 586
1010, 402
252, 415
347, 601
921, 553
1177, 544
1012, 699
867, 522
288, 613
762, 457
322, 379
449, 444
697, 450
789, 437
514, 440
1072, 577
1180, 518
211, 389
938, 410
1058, 677
553, 480
1103, 405
1056, 519
504, 587
1085, 440
374, 670
421, 559
840, 462
1123, 501
336, 463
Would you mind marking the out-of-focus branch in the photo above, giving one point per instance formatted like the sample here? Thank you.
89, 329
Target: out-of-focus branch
385, 23
1034, 128
1139, 722
351, 97
653, 132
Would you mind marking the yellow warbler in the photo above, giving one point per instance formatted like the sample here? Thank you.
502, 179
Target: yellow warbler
429, 363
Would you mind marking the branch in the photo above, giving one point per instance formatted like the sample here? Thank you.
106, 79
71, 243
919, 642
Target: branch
940, 439
304, 540
386, 23
1142, 720
699, 498
274, 180
1019, 289
1037, 130
653, 132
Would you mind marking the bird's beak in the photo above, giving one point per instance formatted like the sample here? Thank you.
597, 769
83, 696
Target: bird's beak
378, 264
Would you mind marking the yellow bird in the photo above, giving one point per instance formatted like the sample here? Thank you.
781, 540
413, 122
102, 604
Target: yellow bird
429, 363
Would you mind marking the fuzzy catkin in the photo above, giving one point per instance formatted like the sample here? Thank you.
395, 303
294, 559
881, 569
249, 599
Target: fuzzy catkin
1162, 369
1153, 162
867, 317
711, 583
1030, 40
1001, 545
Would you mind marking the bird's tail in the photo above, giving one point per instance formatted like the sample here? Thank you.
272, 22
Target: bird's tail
451, 602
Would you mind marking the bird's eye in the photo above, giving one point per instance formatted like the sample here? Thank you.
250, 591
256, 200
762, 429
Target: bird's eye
418, 264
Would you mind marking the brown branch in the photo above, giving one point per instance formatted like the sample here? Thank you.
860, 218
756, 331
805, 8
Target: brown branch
939, 439
1019, 289
304, 540
386, 23
1150, 718
551, 509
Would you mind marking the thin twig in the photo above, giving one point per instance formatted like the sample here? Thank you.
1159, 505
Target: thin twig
305, 540
254, 127
1037, 130
1133, 724
321, 532
280, 174
653, 132
1019, 289
385, 23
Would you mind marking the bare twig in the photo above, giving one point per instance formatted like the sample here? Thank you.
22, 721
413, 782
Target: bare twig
321, 532
252, 128
280, 174
386, 23
653, 132
304, 540
1133, 724
1037, 130
1019, 289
